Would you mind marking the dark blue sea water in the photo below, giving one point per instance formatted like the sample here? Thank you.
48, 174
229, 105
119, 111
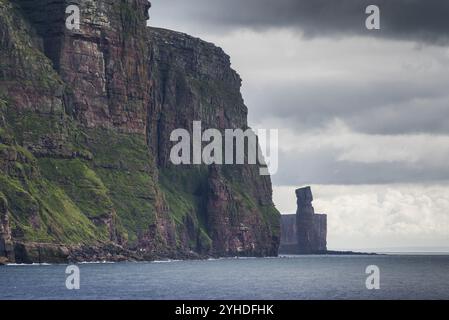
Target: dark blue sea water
301, 277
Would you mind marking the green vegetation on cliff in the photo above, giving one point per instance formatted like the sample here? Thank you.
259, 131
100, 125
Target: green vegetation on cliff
40, 211
85, 121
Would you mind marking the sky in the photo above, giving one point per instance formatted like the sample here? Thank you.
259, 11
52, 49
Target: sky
363, 115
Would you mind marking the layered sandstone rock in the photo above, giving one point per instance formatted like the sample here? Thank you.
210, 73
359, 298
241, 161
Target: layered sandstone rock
86, 118
305, 232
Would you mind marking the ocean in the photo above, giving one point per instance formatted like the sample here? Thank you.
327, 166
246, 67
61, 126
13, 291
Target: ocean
283, 278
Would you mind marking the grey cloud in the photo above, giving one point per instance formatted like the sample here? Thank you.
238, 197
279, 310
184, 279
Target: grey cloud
321, 167
413, 98
382, 108
400, 19
394, 103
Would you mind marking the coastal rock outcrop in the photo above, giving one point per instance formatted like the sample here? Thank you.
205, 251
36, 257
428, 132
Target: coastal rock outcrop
304, 232
85, 123
6, 244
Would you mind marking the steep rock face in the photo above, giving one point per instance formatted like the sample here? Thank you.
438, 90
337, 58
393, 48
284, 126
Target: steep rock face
85, 120
305, 232
103, 63
289, 231
193, 81
6, 245
311, 227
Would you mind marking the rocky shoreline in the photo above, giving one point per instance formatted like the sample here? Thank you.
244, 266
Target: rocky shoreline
30, 253
351, 253
38, 253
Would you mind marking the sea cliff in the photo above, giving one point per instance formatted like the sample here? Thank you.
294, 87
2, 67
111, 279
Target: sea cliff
85, 123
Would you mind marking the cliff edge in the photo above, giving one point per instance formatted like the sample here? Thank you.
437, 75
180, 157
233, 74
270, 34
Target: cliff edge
85, 123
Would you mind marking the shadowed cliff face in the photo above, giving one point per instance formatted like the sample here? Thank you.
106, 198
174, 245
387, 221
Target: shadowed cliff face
86, 118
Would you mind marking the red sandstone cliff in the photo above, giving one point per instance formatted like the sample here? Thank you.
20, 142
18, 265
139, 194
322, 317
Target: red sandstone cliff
85, 123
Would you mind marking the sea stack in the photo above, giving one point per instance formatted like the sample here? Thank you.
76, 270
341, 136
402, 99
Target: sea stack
304, 232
